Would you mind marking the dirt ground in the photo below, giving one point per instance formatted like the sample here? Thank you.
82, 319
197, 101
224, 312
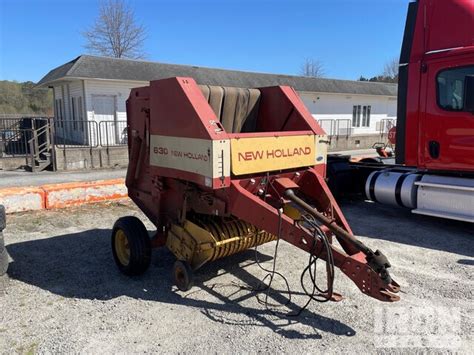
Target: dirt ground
65, 294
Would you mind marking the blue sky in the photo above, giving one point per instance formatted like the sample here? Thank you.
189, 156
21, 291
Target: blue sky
350, 37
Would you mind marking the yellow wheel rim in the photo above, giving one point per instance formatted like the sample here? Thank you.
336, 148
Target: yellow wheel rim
122, 248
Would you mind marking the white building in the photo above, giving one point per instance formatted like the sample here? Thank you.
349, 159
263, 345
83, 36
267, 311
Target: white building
93, 89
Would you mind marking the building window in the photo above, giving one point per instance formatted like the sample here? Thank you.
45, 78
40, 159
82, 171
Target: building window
79, 113
74, 112
356, 109
366, 116
59, 111
357, 112
450, 87
369, 109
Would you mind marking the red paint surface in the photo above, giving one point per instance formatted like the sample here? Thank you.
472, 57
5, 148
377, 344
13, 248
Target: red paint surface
446, 25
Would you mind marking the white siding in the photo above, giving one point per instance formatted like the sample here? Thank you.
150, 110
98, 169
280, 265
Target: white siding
109, 132
59, 97
67, 102
339, 106
119, 89
321, 105
62, 90
66, 91
76, 128
75, 88
57, 92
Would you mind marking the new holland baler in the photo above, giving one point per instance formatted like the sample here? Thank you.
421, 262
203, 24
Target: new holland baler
219, 170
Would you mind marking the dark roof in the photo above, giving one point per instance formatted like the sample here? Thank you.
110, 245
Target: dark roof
86, 66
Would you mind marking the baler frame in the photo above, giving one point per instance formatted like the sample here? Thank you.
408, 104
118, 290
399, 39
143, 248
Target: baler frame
184, 164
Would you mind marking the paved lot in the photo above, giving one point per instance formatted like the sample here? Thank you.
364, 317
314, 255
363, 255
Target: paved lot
65, 294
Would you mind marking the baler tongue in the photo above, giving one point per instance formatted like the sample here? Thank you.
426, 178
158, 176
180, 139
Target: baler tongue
382, 286
300, 197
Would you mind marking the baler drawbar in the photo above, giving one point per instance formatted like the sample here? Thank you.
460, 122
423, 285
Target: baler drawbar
222, 169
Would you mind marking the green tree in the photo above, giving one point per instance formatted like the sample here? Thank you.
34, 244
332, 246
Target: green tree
25, 98
389, 75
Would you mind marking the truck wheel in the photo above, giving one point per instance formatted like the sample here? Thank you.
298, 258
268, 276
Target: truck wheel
3, 222
2, 242
3, 250
3, 256
183, 275
131, 246
3, 261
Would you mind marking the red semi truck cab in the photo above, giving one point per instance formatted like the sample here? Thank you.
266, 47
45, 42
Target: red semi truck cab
434, 170
435, 123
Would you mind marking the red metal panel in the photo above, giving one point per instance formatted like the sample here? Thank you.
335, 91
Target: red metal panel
450, 24
454, 131
270, 134
313, 185
441, 25
281, 109
178, 108
412, 131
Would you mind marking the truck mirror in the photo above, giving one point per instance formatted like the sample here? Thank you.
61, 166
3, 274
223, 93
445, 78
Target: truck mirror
469, 94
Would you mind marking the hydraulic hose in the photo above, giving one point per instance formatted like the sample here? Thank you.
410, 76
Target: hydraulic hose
376, 260
331, 224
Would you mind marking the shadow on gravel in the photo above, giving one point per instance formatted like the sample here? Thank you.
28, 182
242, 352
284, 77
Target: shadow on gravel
401, 226
80, 265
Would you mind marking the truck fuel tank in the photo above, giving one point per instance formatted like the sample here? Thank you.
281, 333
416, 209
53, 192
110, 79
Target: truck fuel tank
396, 188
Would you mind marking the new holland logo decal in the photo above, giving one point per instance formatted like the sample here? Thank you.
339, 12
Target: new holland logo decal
259, 154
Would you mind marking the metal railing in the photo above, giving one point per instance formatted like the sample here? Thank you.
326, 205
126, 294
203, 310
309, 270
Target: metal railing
21, 121
16, 133
69, 134
328, 125
76, 134
34, 138
112, 133
343, 128
21, 115
14, 142
335, 127
28, 138
41, 155
10, 123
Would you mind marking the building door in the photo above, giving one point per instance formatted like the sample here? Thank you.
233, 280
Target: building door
106, 118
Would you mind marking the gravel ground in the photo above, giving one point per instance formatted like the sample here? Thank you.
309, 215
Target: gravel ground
65, 294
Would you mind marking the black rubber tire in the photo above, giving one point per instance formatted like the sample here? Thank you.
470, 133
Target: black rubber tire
3, 250
139, 245
183, 275
3, 219
3, 258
